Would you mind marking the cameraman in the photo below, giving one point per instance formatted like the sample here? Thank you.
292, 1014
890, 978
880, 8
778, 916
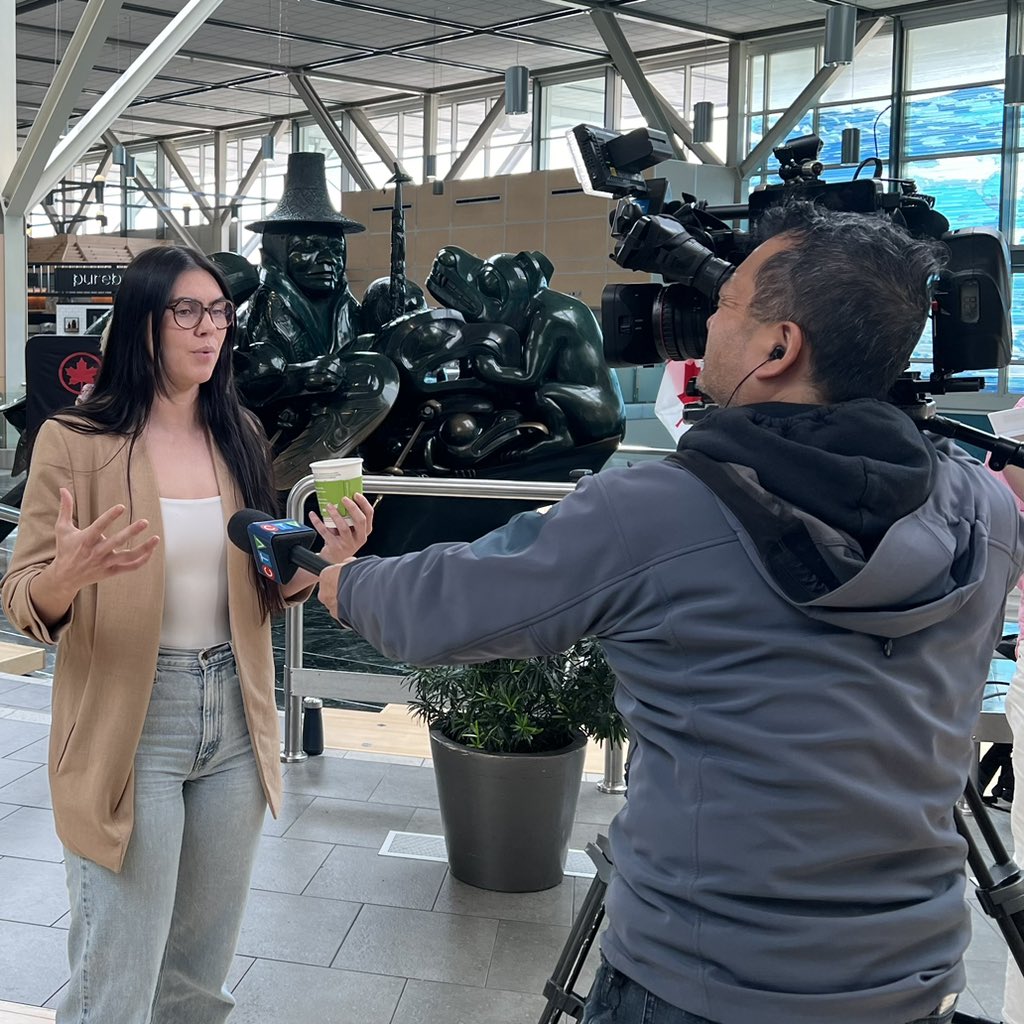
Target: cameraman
800, 606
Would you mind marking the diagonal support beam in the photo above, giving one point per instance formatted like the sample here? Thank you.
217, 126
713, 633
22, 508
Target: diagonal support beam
277, 130
333, 134
479, 139
635, 14
866, 31
651, 105
372, 136
125, 90
683, 129
158, 202
102, 170
86, 43
174, 159
51, 215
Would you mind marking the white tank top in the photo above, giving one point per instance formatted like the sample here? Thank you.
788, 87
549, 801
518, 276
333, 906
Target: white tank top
195, 574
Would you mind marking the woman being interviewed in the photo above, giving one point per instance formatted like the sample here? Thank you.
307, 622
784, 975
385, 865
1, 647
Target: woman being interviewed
164, 745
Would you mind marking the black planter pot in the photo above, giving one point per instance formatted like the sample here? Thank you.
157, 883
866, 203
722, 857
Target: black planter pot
507, 817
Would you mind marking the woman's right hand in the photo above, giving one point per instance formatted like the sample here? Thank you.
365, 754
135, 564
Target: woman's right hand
84, 557
87, 556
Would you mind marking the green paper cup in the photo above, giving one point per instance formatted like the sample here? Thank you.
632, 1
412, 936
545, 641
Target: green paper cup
336, 479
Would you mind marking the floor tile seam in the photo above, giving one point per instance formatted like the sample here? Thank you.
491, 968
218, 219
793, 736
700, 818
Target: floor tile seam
490, 956
359, 913
351, 925
401, 996
12, 677
37, 924
238, 980
20, 714
412, 977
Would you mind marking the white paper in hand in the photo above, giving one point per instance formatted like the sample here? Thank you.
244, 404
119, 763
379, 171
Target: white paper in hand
1008, 422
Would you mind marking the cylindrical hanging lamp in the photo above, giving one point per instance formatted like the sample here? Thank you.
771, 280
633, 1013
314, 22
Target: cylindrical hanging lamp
851, 146
517, 89
703, 121
1013, 96
840, 34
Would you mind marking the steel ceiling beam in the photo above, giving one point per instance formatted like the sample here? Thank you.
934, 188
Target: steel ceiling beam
174, 159
866, 31
650, 102
334, 135
684, 130
157, 201
110, 107
480, 137
84, 48
631, 14
277, 131
102, 169
365, 128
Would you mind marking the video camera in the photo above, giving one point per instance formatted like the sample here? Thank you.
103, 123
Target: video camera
694, 248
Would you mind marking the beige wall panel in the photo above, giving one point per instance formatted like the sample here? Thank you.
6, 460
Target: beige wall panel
578, 240
586, 287
474, 188
576, 205
478, 214
525, 237
432, 211
527, 195
423, 246
481, 241
357, 205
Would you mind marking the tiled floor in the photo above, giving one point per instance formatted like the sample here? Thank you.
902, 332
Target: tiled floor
333, 931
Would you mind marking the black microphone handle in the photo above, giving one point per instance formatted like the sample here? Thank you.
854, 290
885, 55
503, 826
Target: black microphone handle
306, 559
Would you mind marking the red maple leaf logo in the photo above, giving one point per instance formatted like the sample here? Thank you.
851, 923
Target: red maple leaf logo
79, 369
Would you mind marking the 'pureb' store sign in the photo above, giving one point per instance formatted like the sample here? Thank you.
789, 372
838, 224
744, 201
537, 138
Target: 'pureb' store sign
86, 279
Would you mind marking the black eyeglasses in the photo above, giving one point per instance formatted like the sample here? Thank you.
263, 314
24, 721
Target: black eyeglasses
188, 312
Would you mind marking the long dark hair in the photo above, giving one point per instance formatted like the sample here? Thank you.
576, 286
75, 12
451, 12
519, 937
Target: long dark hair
133, 373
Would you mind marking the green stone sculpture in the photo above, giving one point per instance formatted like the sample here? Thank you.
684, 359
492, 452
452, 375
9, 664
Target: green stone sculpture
296, 358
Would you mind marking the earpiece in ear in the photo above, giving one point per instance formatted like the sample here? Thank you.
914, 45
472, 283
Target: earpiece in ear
777, 353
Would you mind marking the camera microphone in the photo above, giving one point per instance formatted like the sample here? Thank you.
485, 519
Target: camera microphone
279, 546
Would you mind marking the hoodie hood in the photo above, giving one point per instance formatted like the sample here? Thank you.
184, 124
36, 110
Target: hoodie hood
848, 510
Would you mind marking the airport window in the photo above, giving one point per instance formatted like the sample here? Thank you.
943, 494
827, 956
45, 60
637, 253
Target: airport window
953, 137
683, 87
563, 106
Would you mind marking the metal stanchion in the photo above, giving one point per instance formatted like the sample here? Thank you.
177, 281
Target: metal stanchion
614, 780
339, 684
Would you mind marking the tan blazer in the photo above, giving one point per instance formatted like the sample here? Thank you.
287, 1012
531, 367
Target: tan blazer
107, 646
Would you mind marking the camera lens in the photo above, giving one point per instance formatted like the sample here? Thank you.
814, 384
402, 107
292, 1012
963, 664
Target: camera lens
680, 315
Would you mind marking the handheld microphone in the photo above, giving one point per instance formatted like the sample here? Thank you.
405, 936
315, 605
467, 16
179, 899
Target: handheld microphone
279, 546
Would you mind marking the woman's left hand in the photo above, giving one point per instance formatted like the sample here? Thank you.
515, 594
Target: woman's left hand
348, 535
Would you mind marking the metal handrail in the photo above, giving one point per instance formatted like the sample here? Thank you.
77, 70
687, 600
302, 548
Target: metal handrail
300, 682
10, 514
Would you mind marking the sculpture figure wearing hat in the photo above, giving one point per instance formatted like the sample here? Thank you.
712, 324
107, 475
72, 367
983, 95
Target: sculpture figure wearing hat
295, 361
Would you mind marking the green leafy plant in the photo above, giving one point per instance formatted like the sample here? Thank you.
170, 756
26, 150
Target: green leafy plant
513, 706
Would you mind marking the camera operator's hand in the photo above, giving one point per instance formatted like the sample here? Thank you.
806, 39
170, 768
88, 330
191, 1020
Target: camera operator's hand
644, 245
661, 245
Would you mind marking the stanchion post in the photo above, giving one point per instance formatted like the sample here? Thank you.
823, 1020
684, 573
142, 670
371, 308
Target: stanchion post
614, 780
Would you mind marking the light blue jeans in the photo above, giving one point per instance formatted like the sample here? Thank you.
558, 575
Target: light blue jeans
153, 943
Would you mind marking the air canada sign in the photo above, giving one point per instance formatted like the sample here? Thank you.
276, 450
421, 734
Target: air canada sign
84, 279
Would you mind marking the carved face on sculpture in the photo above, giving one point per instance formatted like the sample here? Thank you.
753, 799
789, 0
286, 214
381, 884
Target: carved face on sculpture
496, 290
316, 262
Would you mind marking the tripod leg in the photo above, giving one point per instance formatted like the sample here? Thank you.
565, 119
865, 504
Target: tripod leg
559, 988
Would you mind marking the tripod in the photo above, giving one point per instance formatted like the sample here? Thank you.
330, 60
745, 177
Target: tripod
999, 887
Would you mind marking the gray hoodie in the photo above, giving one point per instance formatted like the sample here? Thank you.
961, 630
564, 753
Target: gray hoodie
800, 609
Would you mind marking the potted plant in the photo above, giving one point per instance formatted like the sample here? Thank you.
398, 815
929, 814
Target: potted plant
508, 740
